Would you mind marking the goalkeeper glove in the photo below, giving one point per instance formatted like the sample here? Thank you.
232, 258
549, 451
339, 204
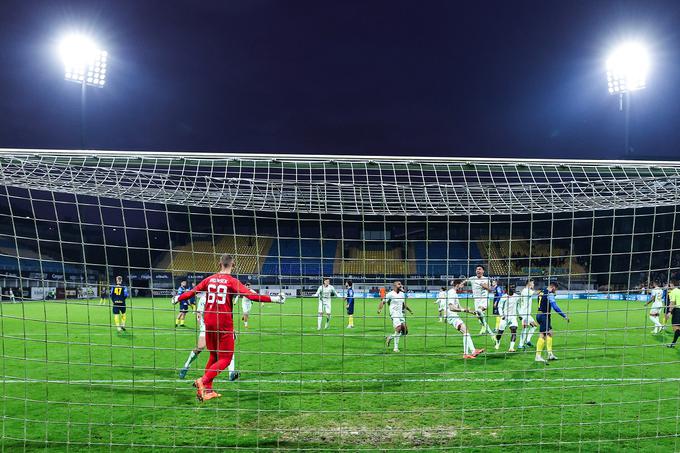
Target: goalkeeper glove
280, 299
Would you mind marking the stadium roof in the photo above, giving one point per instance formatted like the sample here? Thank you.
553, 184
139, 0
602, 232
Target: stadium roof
347, 184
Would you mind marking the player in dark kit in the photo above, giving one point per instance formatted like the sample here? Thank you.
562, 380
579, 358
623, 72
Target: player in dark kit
546, 302
497, 294
221, 288
119, 295
183, 305
349, 304
103, 289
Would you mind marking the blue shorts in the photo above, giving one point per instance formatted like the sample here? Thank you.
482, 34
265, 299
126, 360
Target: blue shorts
184, 306
119, 309
544, 324
350, 307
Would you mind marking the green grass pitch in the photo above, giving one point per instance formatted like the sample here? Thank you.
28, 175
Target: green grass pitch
70, 383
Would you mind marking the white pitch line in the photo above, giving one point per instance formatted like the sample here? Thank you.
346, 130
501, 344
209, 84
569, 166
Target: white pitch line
336, 381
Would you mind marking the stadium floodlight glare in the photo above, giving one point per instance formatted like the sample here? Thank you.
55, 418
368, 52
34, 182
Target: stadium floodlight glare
627, 68
84, 61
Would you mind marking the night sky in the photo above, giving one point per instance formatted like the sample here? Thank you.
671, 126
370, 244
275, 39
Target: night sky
439, 78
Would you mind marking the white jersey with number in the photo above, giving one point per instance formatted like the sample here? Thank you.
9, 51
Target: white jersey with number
441, 300
246, 304
524, 308
396, 301
479, 293
452, 301
507, 306
657, 298
325, 293
200, 308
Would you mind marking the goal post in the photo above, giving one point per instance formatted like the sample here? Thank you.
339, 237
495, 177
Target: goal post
320, 374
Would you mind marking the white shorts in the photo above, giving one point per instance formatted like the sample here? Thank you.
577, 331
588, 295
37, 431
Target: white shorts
246, 305
654, 311
325, 306
442, 305
527, 319
455, 321
509, 321
397, 320
481, 303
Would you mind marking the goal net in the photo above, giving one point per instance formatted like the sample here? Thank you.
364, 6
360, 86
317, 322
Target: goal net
499, 240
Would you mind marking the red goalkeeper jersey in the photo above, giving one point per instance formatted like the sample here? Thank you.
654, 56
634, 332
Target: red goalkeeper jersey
221, 289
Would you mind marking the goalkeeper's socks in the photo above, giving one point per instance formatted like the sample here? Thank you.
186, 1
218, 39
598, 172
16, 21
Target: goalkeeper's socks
192, 356
676, 336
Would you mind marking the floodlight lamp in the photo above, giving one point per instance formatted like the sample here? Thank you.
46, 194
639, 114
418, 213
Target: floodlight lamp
627, 68
81, 57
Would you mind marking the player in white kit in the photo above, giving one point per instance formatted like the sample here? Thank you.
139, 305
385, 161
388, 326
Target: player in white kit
657, 302
441, 303
480, 292
200, 343
507, 309
325, 293
529, 324
246, 305
396, 299
453, 307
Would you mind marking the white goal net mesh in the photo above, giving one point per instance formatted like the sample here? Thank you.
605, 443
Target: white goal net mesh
605, 233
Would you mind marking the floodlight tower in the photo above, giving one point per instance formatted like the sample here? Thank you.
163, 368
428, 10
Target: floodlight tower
84, 63
627, 68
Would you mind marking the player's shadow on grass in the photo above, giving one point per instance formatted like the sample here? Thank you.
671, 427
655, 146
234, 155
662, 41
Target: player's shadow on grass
663, 337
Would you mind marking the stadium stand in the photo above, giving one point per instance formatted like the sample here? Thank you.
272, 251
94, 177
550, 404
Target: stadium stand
201, 256
300, 257
364, 261
435, 258
519, 257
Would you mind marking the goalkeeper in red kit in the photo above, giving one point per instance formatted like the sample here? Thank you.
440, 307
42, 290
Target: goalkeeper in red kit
221, 289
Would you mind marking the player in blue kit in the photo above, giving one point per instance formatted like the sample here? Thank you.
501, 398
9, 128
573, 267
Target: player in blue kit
119, 295
546, 303
183, 305
497, 294
349, 304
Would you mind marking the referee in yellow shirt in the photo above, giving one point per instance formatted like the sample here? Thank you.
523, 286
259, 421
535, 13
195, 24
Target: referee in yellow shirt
674, 307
